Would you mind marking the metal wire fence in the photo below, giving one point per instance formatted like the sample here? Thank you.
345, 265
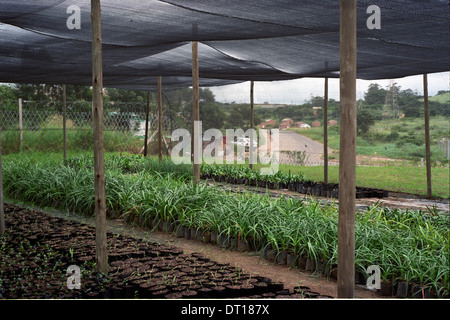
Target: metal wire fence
444, 145
36, 125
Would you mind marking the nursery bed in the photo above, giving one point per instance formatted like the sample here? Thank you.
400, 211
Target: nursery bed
301, 187
38, 248
393, 201
409, 246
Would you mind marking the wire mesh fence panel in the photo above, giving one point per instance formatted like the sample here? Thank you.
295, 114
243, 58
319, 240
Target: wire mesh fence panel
444, 145
39, 126
301, 158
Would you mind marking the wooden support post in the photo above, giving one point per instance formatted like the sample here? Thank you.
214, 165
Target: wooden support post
251, 149
427, 135
196, 112
2, 201
347, 156
99, 161
64, 124
160, 118
325, 133
150, 139
20, 125
147, 112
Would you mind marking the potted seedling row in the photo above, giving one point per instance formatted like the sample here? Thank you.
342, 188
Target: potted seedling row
398, 238
280, 180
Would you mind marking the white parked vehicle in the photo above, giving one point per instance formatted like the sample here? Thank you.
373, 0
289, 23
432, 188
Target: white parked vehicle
245, 142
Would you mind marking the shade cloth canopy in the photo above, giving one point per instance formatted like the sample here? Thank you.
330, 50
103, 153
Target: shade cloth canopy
260, 40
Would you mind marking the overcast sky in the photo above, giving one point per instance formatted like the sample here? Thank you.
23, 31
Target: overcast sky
301, 90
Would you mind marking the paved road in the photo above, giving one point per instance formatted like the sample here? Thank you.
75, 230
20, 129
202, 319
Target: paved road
291, 141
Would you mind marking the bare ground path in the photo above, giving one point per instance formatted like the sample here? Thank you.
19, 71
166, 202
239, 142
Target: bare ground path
291, 141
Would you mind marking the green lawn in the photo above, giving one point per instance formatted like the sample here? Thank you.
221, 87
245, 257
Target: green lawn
408, 179
397, 179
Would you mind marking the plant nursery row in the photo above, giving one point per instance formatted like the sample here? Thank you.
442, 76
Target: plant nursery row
411, 247
281, 180
40, 254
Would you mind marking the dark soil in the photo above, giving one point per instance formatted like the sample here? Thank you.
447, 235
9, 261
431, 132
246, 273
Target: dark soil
37, 250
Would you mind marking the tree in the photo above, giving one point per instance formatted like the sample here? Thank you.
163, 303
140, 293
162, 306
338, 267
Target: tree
179, 98
123, 95
334, 109
411, 106
211, 115
52, 92
35, 92
375, 96
239, 117
316, 101
206, 95
439, 109
77, 92
8, 97
365, 119
407, 93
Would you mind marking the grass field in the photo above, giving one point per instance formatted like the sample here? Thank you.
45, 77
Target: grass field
410, 180
397, 179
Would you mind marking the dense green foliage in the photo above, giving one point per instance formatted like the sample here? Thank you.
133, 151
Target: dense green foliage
244, 172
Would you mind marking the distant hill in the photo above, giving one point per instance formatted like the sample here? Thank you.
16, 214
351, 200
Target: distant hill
441, 98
